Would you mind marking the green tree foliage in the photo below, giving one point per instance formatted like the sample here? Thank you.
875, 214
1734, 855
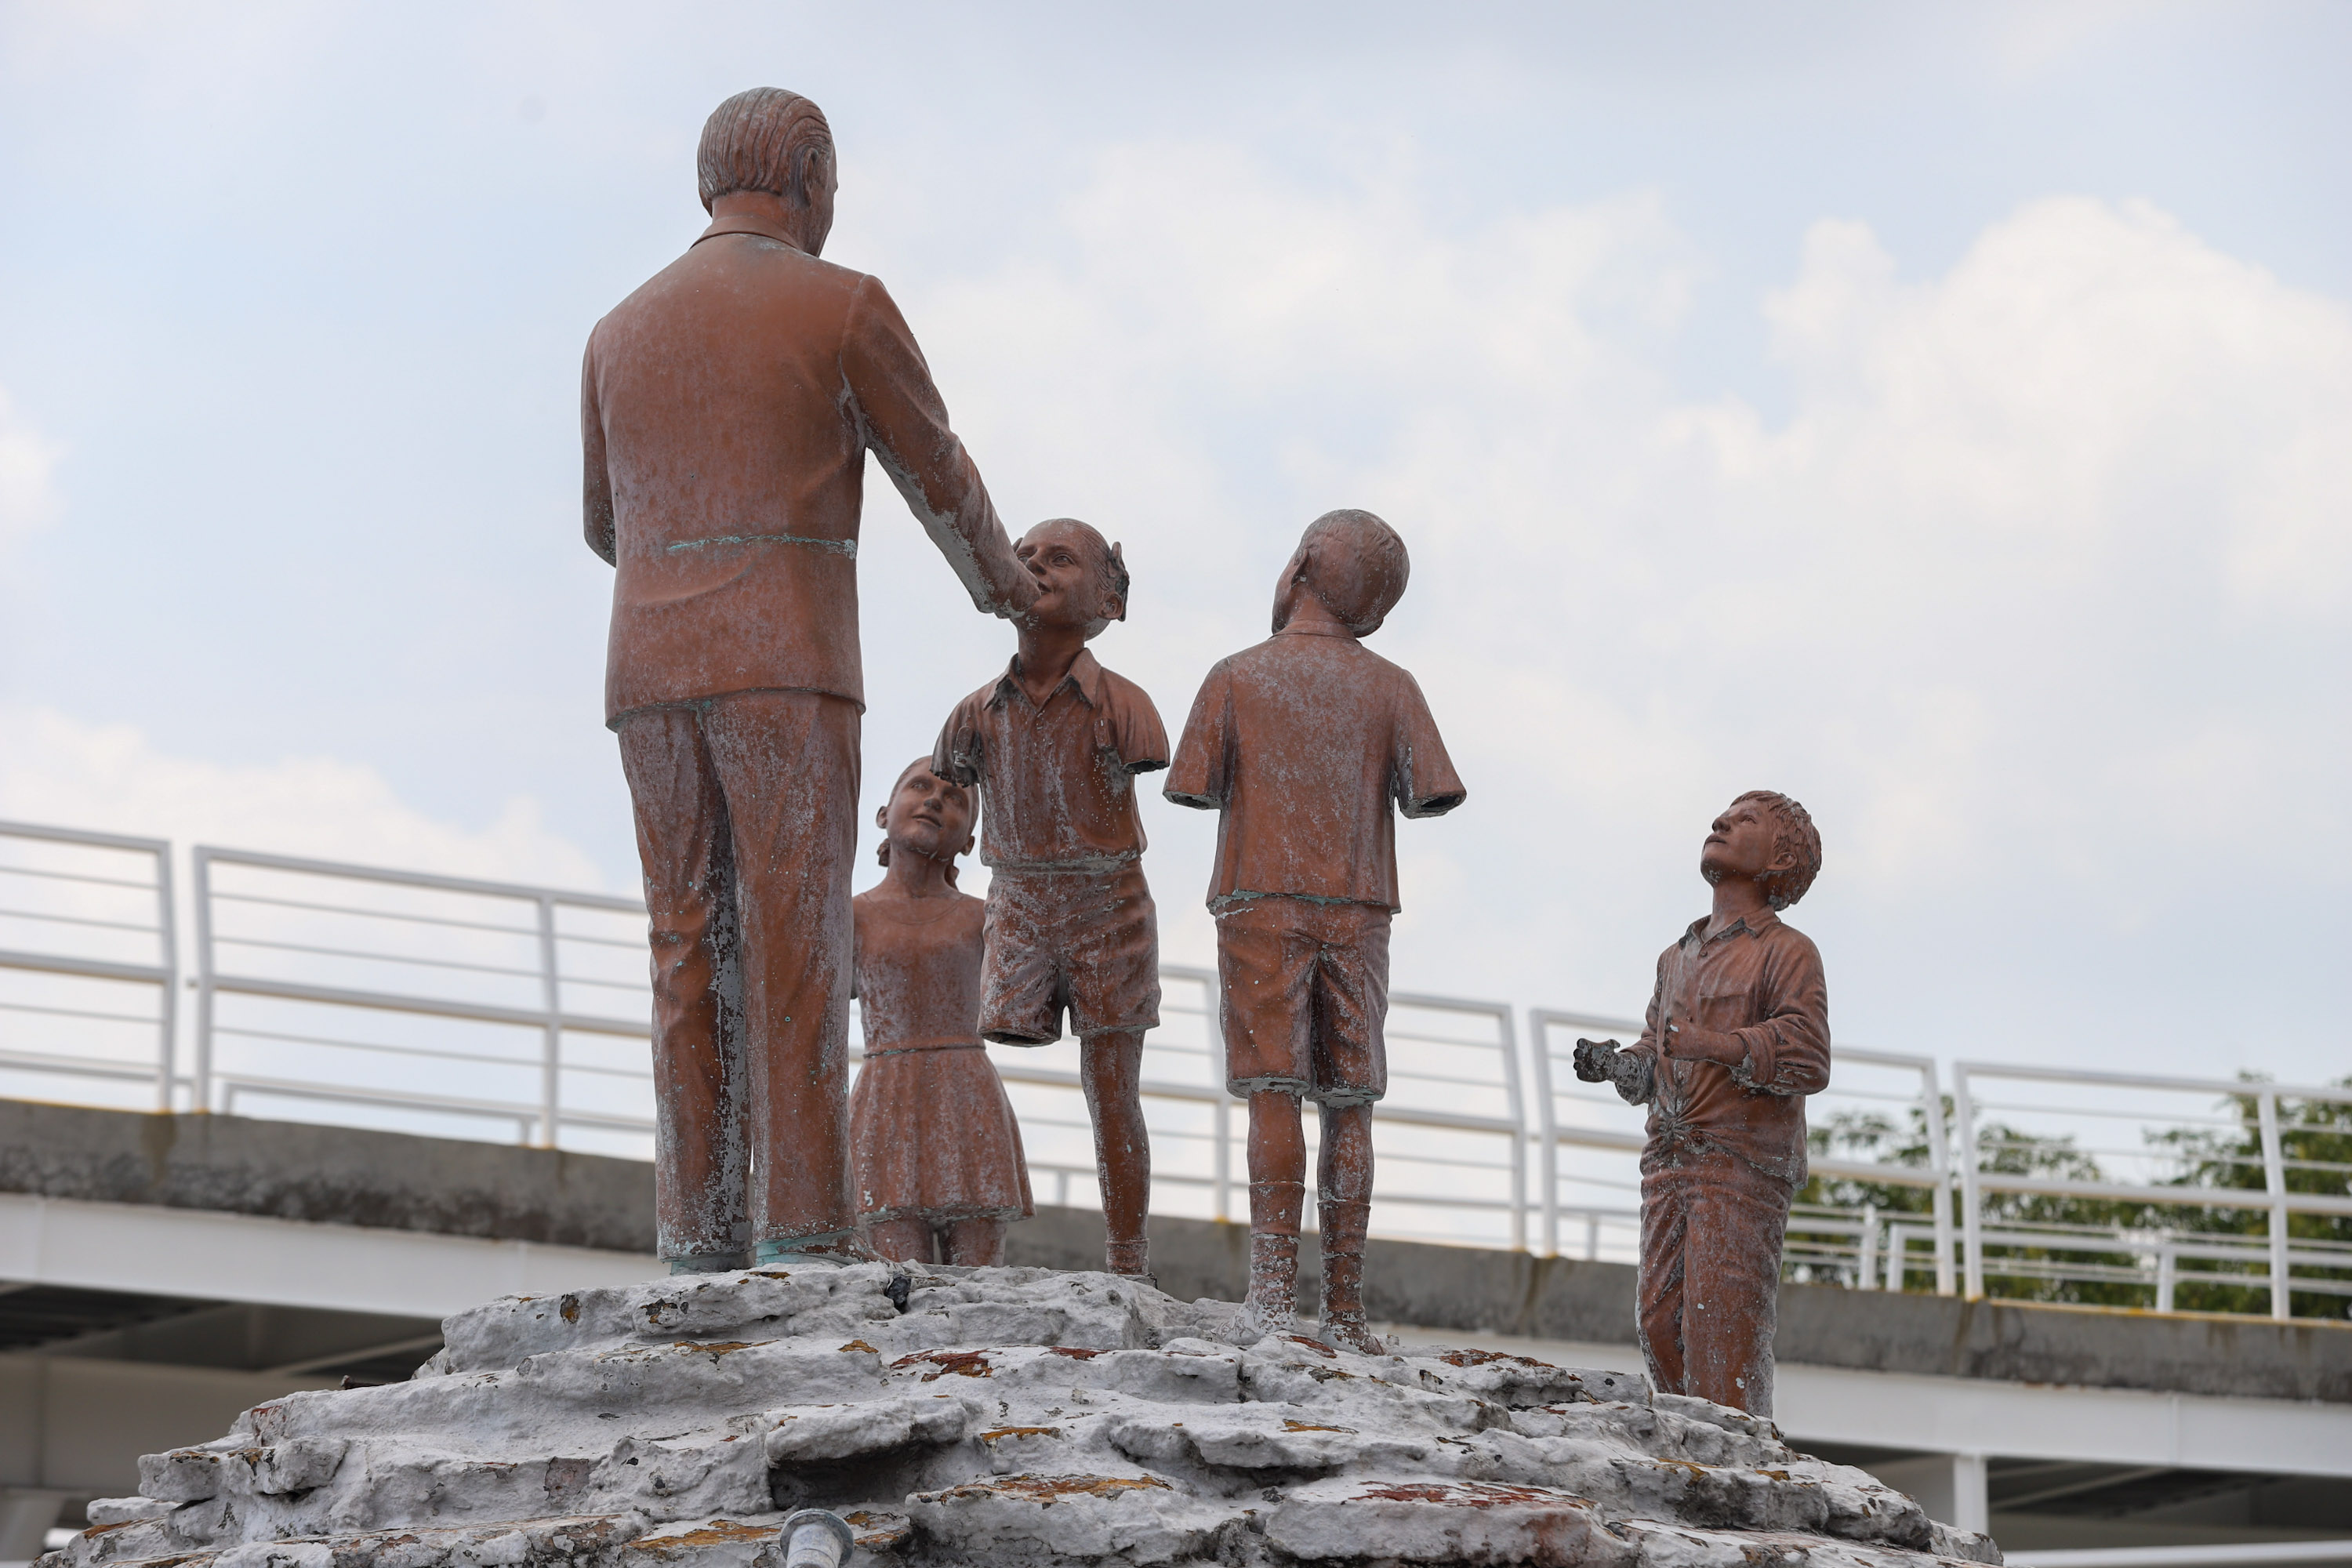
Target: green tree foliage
2063, 1260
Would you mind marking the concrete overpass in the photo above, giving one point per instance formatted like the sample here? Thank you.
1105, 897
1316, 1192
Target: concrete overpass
160, 1273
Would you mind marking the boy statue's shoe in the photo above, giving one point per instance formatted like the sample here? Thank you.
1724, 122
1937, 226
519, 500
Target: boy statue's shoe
1271, 1305
1344, 1225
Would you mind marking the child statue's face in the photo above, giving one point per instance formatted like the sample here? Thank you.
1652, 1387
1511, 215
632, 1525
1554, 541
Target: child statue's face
1070, 591
929, 815
1740, 844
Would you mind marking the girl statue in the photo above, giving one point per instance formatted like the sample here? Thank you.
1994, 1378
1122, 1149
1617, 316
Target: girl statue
935, 1153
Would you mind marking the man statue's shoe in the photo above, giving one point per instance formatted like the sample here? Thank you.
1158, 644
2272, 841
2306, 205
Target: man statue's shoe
842, 1246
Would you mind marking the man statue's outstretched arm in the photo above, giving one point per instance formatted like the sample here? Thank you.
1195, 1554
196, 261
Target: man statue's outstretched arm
907, 429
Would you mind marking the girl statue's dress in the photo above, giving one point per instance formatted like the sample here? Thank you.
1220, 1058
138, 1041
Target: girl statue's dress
934, 1148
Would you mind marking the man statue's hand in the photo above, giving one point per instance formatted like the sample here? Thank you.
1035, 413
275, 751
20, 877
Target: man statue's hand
1596, 1060
1017, 600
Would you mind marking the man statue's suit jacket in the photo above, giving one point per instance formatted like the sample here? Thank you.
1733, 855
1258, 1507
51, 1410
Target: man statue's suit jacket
726, 410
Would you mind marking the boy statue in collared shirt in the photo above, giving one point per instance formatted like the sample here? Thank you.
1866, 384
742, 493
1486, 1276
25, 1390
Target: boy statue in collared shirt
1054, 744
1737, 1035
1301, 744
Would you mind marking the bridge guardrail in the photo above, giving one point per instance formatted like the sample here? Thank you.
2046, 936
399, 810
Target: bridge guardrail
86, 921
440, 1005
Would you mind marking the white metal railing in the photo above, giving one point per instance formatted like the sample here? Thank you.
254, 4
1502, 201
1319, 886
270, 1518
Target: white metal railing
86, 925
439, 1005
1580, 1118
446, 1003
2048, 1131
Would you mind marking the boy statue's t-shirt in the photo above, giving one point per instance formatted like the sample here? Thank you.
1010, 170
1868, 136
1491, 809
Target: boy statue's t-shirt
1057, 783
1302, 742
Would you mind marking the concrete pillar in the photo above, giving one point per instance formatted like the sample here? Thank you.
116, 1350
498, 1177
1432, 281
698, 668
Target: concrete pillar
1952, 1487
26, 1515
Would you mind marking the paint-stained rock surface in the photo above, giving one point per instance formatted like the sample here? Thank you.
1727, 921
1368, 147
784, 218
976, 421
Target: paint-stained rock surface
1001, 1416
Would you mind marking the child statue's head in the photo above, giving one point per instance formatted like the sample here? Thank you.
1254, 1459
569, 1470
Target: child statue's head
1081, 577
1353, 563
1769, 838
928, 815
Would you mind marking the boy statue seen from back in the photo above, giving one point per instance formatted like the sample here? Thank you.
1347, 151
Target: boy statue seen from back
1301, 744
1737, 1034
1054, 743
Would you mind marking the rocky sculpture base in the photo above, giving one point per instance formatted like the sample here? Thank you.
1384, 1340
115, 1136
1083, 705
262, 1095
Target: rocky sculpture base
1005, 1416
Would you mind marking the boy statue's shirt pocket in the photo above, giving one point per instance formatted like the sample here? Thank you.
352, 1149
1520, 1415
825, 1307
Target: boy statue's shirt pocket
1722, 1001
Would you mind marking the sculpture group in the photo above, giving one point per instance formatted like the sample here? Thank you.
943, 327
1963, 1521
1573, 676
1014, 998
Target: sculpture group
728, 408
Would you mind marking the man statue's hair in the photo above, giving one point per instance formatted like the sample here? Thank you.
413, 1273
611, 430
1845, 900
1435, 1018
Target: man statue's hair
1793, 834
1364, 578
764, 139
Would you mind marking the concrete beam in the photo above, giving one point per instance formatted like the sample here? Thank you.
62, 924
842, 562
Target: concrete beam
1972, 1418
334, 1175
1561, 1299
245, 1258
501, 1193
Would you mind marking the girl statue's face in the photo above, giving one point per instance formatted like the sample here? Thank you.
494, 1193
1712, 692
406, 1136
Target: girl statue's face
930, 815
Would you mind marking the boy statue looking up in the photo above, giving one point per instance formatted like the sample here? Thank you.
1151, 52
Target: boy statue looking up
1737, 1034
1301, 744
1056, 742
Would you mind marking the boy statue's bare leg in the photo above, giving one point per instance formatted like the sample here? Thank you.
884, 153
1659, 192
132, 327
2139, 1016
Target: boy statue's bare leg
904, 1240
1110, 1066
973, 1242
1277, 1168
1343, 1190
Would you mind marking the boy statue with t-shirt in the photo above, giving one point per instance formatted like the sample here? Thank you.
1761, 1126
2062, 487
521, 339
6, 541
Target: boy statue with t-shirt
1302, 742
1054, 744
1737, 1035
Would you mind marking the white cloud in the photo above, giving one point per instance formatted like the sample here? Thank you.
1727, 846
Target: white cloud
2030, 579
61, 772
28, 461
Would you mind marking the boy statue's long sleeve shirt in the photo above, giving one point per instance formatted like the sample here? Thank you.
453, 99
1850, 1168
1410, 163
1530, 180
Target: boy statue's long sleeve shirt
1761, 981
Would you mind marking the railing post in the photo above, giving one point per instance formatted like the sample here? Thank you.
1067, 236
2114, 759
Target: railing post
550, 1067
1939, 1165
2274, 1179
168, 955
2167, 1273
200, 866
1972, 1216
1224, 1153
1518, 1102
1548, 1153
1866, 1254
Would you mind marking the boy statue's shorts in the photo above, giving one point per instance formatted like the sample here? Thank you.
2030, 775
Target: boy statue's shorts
1305, 989
1087, 941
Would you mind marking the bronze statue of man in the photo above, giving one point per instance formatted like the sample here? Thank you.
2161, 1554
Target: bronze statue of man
727, 407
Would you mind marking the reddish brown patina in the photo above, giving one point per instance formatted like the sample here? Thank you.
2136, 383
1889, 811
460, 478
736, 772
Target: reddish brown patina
1054, 744
1737, 1035
934, 1152
960, 1364
727, 409
1302, 744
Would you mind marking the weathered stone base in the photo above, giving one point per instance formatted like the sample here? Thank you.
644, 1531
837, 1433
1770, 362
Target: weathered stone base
1001, 1417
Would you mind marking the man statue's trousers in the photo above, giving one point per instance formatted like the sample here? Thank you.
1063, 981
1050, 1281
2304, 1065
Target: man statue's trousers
746, 808
1708, 1298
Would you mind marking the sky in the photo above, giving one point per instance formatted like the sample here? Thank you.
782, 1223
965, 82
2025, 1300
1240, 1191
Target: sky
1941, 415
